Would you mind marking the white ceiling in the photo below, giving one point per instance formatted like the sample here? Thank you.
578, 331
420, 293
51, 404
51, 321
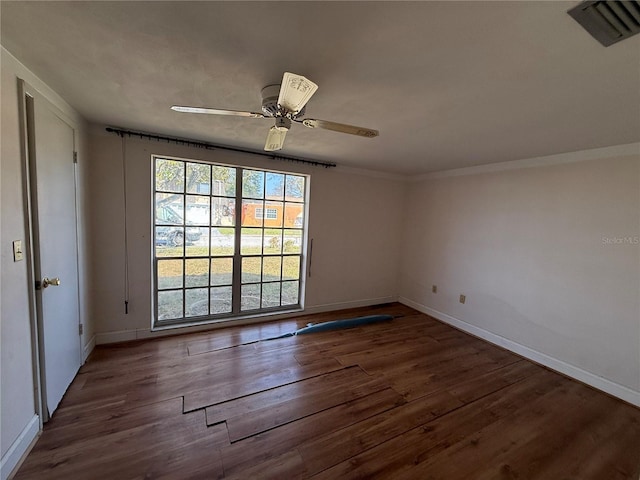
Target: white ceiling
448, 84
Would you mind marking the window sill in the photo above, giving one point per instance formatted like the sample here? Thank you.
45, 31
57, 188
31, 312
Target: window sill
228, 321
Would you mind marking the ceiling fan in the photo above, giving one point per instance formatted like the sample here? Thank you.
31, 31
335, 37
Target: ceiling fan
285, 103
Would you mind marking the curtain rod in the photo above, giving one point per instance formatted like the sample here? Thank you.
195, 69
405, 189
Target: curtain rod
211, 146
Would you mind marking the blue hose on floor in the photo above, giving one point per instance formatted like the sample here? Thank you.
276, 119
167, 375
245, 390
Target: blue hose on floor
346, 323
336, 324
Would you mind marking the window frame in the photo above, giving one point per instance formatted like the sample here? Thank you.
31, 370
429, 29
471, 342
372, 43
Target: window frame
237, 256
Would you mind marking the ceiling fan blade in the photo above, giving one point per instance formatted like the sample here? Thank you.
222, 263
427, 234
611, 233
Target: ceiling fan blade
275, 139
216, 111
340, 127
295, 92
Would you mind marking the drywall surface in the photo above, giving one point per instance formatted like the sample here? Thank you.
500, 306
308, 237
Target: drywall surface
548, 258
354, 221
17, 395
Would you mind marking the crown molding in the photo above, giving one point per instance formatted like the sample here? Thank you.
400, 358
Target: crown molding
625, 150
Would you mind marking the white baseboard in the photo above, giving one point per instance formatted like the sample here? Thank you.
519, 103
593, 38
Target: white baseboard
330, 307
607, 386
20, 448
88, 348
115, 337
141, 333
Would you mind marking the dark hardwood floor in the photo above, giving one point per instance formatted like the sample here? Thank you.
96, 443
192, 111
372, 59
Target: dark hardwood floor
407, 399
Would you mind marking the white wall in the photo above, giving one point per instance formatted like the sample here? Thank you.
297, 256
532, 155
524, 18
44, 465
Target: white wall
18, 421
17, 406
354, 220
529, 248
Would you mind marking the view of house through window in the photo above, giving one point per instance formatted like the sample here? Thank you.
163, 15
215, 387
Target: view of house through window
227, 240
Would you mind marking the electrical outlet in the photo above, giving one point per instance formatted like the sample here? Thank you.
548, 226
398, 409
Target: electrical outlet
17, 250
463, 298
434, 289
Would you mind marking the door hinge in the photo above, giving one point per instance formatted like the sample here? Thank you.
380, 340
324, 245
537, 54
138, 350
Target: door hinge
75, 157
80, 329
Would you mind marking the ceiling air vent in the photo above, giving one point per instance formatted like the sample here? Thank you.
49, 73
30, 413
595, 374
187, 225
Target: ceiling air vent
608, 21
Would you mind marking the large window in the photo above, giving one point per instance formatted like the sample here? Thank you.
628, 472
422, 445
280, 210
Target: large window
228, 241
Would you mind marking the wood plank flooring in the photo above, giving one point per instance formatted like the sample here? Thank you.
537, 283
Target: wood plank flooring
407, 399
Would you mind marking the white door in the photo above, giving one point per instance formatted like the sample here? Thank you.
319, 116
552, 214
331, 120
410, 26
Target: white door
53, 208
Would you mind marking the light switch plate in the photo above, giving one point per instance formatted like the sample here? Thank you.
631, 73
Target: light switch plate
17, 250
463, 298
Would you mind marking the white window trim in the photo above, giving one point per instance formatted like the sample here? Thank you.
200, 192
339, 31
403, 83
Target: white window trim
237, 313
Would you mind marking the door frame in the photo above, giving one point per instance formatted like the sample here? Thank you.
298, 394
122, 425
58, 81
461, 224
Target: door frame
27, 98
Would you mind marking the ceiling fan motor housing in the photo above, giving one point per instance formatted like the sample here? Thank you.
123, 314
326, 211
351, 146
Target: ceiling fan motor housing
270, 95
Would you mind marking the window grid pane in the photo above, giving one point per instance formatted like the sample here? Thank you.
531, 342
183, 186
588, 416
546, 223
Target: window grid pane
195, 232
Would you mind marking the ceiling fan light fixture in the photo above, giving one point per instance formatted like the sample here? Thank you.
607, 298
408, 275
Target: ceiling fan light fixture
275, 139
283, 123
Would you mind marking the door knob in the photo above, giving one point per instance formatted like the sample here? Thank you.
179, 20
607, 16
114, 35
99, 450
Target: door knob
50, 281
